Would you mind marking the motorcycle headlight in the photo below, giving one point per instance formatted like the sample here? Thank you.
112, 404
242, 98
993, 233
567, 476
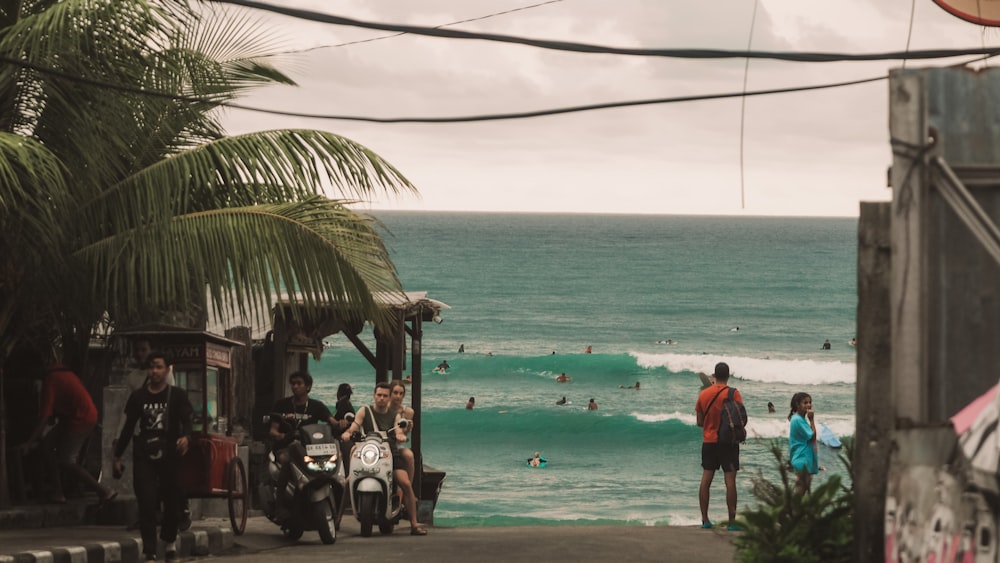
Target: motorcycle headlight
370, 455
330, 465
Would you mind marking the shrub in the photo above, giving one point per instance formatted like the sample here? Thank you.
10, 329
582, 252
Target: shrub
787, 527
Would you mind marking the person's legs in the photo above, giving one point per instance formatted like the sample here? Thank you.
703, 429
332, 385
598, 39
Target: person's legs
709, 465
802, 482
703, 493
407, 454
730, 477
51, 466
170, 492
409, 499
68, 451
729, 457
144, 482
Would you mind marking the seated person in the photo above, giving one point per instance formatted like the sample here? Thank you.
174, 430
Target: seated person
296, 411
397, 392
380, 416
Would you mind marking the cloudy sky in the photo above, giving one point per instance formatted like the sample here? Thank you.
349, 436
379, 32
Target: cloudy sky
815, 153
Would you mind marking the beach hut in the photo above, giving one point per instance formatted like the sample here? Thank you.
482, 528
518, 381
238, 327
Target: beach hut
287, 347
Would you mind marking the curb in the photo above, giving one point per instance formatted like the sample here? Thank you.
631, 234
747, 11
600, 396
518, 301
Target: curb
192, 543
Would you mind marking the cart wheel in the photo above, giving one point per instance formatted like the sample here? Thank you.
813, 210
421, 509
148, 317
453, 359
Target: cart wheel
236, 477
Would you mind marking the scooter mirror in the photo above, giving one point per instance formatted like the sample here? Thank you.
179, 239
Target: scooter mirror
403, 423
349, 417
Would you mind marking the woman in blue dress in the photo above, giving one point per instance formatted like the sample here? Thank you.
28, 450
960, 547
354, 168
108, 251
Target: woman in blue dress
802, 448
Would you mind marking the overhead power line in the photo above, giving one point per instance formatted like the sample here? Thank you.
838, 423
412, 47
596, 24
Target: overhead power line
458, 119
808, 57
381, 37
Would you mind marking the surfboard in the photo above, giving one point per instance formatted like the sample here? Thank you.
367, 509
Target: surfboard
828, 437
706, 382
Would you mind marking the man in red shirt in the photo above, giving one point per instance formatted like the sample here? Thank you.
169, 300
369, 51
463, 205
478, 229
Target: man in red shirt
713, 454
66, 402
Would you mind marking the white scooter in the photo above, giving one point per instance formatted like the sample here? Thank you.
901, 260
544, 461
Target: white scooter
374, 495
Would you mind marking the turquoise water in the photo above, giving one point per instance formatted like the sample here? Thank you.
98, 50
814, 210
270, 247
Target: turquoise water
524, 286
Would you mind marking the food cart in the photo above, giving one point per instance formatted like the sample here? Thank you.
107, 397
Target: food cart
202, 366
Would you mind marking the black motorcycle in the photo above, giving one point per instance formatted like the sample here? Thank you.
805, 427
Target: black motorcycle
314, 497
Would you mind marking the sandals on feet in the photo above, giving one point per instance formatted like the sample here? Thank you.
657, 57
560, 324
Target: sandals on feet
418, 531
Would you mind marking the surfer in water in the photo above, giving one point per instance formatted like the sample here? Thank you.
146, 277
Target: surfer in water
442, 367
537, 460
563, 378
561, 401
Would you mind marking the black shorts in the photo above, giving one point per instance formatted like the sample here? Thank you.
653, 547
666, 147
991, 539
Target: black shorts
715, 456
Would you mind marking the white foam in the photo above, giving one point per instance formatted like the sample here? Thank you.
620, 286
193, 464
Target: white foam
798, 372
686, 418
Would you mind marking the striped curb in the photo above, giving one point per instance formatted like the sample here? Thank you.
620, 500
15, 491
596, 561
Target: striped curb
192, 543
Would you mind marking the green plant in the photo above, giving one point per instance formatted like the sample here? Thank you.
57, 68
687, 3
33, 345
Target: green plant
787, 527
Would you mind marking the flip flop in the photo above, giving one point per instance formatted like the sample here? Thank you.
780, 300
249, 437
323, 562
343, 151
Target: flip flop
418, 531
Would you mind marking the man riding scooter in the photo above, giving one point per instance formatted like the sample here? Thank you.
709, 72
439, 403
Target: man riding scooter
297, 411
384, 418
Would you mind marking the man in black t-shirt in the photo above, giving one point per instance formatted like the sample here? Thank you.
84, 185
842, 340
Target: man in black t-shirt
297, 411
163, 415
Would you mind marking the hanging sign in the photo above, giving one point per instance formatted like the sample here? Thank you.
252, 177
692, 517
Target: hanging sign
979, 12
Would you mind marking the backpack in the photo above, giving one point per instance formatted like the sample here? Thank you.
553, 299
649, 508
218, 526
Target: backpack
732, 420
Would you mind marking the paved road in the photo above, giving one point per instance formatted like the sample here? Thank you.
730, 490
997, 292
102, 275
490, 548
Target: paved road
263, 543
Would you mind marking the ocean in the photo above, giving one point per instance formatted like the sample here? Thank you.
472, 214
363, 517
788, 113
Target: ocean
529, 293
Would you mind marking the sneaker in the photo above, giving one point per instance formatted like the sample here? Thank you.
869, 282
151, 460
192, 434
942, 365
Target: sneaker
706, 525
734, 528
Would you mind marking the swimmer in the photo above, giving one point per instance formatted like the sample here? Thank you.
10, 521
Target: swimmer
770, 407
853, 342
592, 406
563, 378
471, 404
588, 350
537, 460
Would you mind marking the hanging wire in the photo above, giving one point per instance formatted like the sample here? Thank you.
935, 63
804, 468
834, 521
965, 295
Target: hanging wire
743, 106
909, 31
391, 35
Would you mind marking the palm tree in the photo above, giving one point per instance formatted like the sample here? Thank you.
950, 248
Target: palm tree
120, 203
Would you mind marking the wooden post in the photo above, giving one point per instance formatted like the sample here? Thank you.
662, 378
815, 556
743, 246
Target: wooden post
946, 287
241, 378
909, 134
416, 397
873, 436
399, 345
